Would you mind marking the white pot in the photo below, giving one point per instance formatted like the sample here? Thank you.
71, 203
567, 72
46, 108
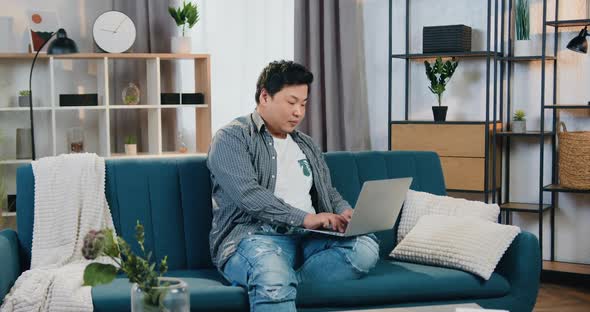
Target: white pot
181, 45
131, 149
527, 48
518, 126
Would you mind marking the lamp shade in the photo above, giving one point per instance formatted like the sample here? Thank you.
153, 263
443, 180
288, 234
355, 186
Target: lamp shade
62, 44
579, 43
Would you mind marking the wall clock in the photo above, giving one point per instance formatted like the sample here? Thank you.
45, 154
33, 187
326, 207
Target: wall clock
114, 32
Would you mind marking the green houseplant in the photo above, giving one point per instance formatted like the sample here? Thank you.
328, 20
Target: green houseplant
518, 122
439, 75
185, 16
522, 23
23, 98
151, 290
131, 145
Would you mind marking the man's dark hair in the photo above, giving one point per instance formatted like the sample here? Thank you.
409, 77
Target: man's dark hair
278, 74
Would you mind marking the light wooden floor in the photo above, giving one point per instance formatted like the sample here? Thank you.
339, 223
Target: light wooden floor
553, 297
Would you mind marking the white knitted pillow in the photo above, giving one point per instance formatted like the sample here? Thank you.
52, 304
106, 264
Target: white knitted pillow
420, 204
465, 243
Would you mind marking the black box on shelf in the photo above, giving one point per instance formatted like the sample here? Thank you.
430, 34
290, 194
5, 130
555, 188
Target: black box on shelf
193, 98
90, 99
11, 205
170, 98
448, 38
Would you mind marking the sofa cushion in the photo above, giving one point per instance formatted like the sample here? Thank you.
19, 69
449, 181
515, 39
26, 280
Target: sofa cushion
390, 282
398, 282
419, 204
464, 243
208, 292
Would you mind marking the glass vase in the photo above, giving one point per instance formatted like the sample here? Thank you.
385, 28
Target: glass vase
171, 296
130, 94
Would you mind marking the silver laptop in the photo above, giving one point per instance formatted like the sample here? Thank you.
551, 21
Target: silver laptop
377, 207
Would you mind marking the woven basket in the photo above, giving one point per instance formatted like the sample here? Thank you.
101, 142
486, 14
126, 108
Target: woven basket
574, 159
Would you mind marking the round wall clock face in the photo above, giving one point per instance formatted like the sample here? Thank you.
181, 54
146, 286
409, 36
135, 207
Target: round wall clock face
114, 32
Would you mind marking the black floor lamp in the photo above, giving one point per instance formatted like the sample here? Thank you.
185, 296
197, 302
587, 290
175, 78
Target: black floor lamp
61, 45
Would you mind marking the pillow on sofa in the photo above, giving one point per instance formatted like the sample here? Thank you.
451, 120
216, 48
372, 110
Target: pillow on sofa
420, 204
465, 243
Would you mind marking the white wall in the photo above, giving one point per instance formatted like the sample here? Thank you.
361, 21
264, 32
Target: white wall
465, 97
242, 38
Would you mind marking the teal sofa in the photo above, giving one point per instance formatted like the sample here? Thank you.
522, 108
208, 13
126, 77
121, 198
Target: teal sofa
172, 198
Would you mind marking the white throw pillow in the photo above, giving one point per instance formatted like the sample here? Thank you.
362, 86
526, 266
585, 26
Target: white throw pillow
465, 243
420, 204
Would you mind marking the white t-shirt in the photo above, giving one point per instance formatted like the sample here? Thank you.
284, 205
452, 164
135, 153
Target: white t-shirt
294, 176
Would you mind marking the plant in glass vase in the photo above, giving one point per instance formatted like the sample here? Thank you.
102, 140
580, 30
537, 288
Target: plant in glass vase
439, 75
151, 291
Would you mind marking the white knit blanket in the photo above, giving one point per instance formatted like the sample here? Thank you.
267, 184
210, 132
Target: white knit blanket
69, 201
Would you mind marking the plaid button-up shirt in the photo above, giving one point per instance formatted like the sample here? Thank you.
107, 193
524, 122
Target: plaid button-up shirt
243, 166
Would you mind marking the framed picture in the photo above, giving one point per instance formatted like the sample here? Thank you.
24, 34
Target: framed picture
41, 25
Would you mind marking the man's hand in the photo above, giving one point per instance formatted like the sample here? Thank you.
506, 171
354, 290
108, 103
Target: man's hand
347, 214
325, 220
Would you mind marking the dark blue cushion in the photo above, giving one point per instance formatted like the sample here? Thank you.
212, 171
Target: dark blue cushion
390, 282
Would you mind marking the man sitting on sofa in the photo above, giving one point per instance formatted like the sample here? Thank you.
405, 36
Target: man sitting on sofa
270, 181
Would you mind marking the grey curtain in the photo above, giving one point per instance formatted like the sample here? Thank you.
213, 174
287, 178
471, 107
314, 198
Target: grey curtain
154, 29
329, 41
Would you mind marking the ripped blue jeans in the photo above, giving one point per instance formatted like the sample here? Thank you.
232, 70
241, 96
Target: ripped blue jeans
271, 266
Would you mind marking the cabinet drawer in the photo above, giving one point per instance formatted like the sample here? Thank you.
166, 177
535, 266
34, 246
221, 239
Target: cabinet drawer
463, 140
468, 173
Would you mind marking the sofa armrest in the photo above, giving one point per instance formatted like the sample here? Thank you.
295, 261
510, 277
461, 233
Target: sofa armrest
9, 258
521, 266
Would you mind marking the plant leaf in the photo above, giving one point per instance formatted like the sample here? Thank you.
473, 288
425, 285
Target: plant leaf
99, 273
111, 248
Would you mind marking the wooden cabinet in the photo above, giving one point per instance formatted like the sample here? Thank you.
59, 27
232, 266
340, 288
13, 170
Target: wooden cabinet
460, 145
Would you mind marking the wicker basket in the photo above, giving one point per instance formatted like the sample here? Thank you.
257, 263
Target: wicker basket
574, 159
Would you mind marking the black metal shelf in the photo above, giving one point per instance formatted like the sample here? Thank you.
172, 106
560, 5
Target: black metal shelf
423, 56
569, 23
470, 191
532, 58
569, 106
524, 134
523, 207
562, 189
405, 122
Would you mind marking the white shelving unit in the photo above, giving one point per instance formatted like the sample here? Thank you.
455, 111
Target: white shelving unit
94, 73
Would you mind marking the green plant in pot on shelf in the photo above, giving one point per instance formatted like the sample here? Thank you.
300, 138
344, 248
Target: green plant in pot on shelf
23, 98
518, 122
130, 145
185, 16
439, 75
151, 291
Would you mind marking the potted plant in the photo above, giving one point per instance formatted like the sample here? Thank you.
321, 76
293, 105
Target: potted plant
184, 16
150, 291
518, 122
439, 75
523, 45
130, 145
23, 98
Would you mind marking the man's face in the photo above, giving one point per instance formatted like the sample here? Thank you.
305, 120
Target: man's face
284, 111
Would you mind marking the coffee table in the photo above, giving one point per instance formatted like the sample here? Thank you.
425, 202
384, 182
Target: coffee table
433, 308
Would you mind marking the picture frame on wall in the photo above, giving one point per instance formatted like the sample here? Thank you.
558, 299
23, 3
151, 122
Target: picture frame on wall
41, 25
